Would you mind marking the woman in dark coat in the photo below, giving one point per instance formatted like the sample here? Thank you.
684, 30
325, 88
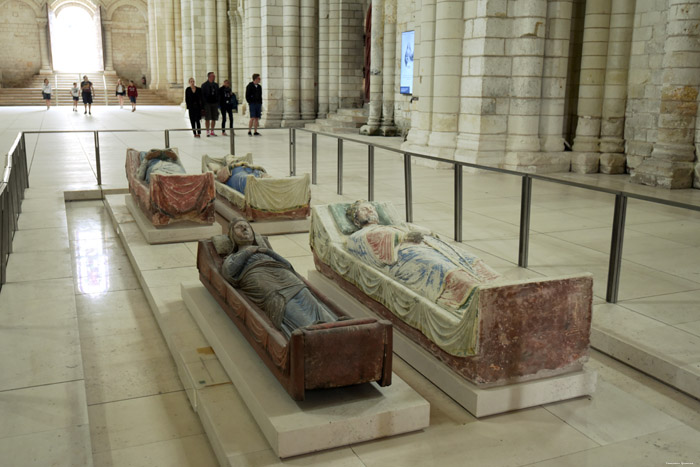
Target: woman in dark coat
193, 100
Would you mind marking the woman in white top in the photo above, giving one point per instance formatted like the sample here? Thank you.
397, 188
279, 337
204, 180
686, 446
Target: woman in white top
120, 92
75, 94
46, 93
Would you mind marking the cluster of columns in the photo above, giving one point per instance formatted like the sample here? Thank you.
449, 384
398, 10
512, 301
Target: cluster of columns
44, 45
382, 75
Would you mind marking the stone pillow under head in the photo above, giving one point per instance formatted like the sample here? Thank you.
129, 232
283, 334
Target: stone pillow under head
223, 174
344, 224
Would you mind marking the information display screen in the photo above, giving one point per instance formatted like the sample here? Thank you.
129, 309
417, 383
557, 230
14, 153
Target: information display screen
407, 48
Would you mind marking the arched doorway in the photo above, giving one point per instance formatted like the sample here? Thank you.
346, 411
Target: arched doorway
75, 39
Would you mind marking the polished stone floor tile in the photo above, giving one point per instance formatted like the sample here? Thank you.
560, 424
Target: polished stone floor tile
114, 313
67, 447
42, 353
669, 447
51, 239
42, 220
611, 415
331, 458
53, 204
286, 247
42, 408
191, 451
514, 439
144, 420
677, 308
38, 265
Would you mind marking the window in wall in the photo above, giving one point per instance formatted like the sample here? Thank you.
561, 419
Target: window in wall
75, 41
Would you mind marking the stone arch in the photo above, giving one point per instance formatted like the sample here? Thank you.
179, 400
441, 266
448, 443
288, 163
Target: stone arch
140, 6
87, 5
39, 11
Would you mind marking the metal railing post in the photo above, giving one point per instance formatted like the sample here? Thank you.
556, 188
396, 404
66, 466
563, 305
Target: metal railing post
294, 152
525, 203
291, 156
340, 166
370, 173
618, 234
23, 159
98, 164
167, 138
408, 183
458, 202
314, 158
232, 142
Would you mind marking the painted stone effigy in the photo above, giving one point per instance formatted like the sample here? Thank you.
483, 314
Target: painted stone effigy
164, 192
305, 341
487, 329
256, 195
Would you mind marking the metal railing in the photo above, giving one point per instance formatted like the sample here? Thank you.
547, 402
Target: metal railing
15, 179
618, 222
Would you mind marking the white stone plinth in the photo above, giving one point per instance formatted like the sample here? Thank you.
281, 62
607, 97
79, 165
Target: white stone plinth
479, 402
175, 233
267, 227
327, 418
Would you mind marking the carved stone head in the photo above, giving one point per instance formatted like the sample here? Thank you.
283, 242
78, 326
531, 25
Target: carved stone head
362, 213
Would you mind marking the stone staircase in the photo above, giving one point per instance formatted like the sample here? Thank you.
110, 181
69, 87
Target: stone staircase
61, 83
343, 121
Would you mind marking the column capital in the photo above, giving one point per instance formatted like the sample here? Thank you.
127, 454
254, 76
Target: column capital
42, 21
107, 24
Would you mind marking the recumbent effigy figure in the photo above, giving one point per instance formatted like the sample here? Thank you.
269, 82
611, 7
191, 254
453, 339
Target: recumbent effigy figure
269, 281
163, 190
489, 329
305, 340
252, 193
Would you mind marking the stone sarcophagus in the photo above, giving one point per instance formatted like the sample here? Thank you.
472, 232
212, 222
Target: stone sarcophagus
254, 194
333, 354
164, 192
488, 330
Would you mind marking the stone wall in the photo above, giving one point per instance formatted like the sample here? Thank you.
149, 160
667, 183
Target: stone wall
129, 41
645, 80
20, 56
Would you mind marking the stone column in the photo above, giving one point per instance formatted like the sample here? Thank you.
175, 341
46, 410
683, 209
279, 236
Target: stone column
526, 46
671, 162
388, 128
447, 70
272, 60
177, 15
210, 42
222, 42
109, 65
590, 102
185, 15
291, 62
240, 58
333, 55
43, 46
422, 110
308, 62
376, 83
253, 39
152, 44
554, 77
235, 52
322, 58
612, 143
167, 17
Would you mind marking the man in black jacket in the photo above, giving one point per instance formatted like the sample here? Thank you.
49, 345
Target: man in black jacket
253, 95
227, 103
210, 103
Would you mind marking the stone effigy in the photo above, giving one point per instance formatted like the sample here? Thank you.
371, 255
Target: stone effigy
488, 330
305, 341
256, 195
164, 192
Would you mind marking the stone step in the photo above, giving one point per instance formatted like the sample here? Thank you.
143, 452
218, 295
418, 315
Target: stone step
354, 112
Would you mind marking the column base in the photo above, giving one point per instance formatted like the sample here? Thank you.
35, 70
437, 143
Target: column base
295, 123
538, 162
46, 71
369, 130
390, 130
664, 174
612, 163
110, 73
585, 162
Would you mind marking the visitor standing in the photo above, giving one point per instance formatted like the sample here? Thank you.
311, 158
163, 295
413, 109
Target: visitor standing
143, 81
88, 94
46, 93
75, 94
253, 96
133, 94
193, 100
120, 92
227, 101
210, 101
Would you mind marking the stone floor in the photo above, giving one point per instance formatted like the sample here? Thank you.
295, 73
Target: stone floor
85, 376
